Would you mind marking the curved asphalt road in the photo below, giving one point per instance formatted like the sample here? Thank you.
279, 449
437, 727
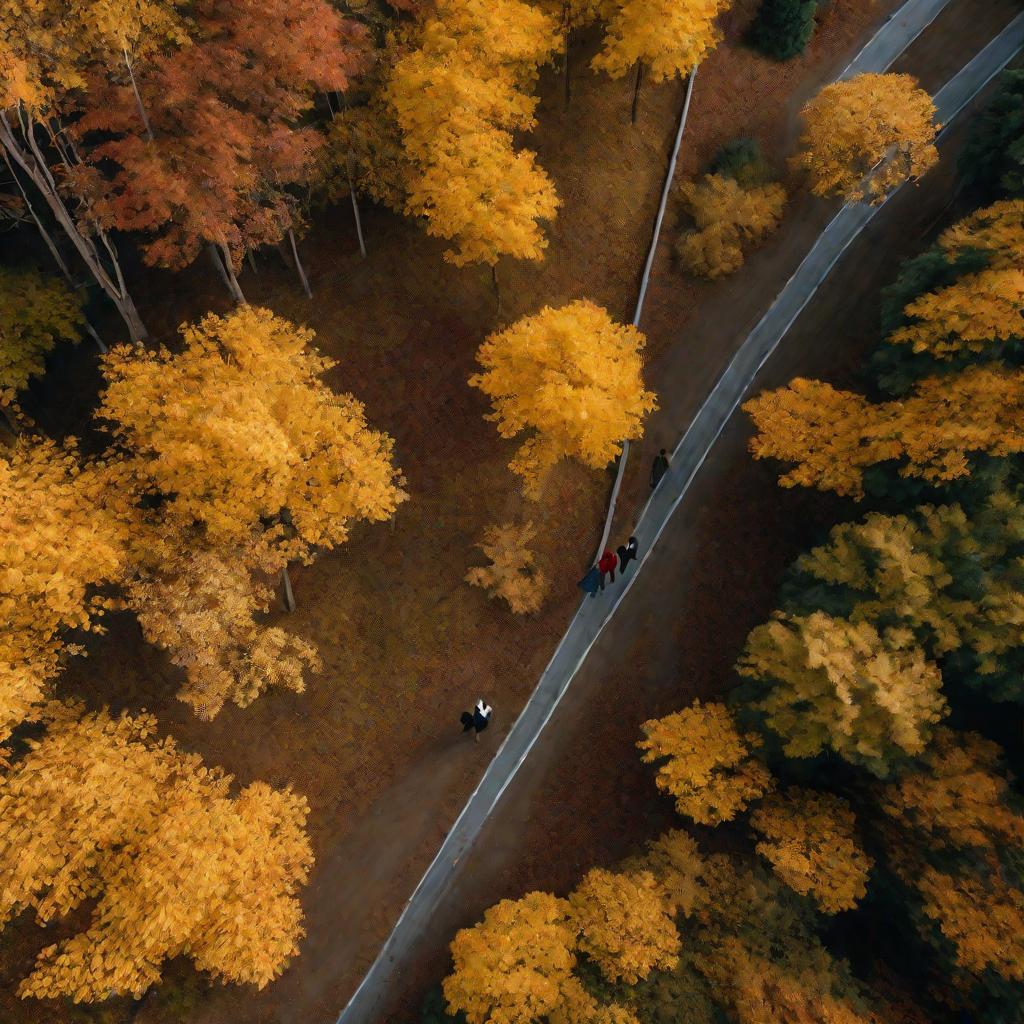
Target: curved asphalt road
688, 457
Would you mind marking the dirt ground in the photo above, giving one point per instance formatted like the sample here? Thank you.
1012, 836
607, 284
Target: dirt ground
406, 644
584, 798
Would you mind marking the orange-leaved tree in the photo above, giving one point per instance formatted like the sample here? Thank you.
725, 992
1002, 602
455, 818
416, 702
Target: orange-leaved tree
100, 808
511, 575
572, 377
707, 765
809, 838
865, 136
829, 684
625, 924
58, 545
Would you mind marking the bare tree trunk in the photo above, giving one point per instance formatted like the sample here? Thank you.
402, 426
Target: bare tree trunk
250, 256
219, 264
138, 97
50, 244
636, 90
34, 165
91, 331
287, 595
298, 265
568, 87
229, 270
497, 290
355, 205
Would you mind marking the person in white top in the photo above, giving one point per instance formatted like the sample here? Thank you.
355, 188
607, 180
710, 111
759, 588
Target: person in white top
477, 720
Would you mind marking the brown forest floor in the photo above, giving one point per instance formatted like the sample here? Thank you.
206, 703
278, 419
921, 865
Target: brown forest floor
374, 742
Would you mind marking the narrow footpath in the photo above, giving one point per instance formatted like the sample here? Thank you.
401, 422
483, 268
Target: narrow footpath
431, 905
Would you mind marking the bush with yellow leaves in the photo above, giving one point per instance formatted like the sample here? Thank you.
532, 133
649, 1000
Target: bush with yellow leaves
511, 575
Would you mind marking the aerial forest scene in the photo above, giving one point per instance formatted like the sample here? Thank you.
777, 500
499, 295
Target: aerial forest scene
512, 512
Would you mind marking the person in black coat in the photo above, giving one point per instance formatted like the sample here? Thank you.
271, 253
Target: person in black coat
627, 552
659, 467
476, 719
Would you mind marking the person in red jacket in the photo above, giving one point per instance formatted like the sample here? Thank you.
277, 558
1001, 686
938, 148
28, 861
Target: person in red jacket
607, 566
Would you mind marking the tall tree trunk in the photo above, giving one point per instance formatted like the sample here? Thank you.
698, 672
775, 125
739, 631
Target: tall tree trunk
138, 97
219, 264
497, 289
298, 265
565, 69
91, 331
636, 90
34, 165
355, 205
47, 238
287, 594
249, 255
229, 269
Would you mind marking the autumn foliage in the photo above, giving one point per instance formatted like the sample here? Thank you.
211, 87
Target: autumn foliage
100, 808
809, 838
865, 136
570, 377
511, 575
706, 763
728, 220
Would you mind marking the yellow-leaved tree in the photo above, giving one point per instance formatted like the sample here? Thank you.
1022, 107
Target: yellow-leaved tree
101, 808
707, 765
238, 458
511, 575
830, 684
457, 99
833, 436
865, 136
625, 924
728, 219
809, 838
35, 313
200, 605
573, 378
957, 838
58, 545
238, 431
669, 38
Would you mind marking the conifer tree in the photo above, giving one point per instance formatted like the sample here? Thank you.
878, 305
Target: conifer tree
783, 28
573, 378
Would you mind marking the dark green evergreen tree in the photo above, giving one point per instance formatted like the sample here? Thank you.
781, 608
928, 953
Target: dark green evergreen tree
783, 28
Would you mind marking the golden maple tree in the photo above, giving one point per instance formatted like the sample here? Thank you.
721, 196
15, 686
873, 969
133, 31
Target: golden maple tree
238, 430
670, 39
58, 545
706, 763
200, 605
728, 219
830, 684
625, 924
833, 436
676, 862
511, 575
457, 98
572, 378
865, 136
100, 808
809, 838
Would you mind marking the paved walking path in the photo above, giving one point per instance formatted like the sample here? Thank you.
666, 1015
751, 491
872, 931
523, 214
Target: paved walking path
688, 457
